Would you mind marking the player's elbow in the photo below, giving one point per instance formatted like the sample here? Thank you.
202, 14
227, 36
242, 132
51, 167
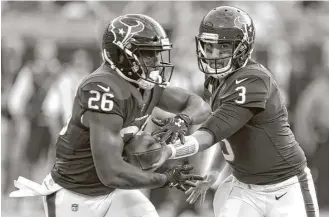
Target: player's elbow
107, 173
206, 109
117, 181
202, 105
111, 181
112, 175
203, 109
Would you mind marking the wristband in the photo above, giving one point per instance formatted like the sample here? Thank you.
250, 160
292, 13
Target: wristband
190, 148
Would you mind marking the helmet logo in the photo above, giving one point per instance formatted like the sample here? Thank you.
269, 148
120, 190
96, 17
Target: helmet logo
125, 31
245, 25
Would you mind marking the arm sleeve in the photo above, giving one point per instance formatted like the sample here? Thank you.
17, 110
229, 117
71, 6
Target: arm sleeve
227, 120
99, 97
248, 92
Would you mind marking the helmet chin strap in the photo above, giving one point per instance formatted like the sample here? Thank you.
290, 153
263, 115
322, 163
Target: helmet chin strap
226, 68
147, 85
219, 73
224, 74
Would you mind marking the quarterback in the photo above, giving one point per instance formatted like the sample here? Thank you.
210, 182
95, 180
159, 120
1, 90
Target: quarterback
113, 104
250, 121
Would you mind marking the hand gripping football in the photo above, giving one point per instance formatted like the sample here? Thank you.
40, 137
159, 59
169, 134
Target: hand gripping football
142, 151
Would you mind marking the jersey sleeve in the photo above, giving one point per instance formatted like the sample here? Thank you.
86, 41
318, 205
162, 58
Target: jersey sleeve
101, 97
247, 91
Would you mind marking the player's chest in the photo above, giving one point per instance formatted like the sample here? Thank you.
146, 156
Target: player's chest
138, 113
214, 93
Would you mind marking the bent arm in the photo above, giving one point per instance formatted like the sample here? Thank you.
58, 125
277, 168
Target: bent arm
224, 122
227, 120
177, 100
107, 146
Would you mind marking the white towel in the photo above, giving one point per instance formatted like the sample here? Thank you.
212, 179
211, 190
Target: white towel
28, 188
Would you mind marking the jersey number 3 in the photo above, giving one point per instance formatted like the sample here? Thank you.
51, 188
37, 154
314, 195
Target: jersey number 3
106, 104
242, 94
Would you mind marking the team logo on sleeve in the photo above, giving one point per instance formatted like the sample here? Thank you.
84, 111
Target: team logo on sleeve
123, 32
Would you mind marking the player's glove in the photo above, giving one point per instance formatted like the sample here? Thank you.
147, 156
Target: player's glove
172, 128
177, 177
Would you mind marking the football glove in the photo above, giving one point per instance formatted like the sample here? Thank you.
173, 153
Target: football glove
177, 177
172, 128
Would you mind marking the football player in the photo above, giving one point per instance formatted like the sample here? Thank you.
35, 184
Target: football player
112, 105
249, 120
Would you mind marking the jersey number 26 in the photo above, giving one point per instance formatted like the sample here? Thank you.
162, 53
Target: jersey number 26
106, 104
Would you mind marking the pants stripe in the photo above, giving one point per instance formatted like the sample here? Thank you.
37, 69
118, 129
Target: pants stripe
50, 200
309, 202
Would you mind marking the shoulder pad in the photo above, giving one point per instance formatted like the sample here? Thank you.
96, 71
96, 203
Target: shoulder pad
254, 70
250, 73
249, 87
103, 93
106, 83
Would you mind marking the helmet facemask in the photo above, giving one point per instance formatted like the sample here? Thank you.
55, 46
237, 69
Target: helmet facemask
151, 67
219, 57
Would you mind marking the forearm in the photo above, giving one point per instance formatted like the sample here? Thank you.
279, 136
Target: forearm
113, 171
197, 109
195, 143
177, 100
107, 148
204, 139
220, 125
226, 120
130, 177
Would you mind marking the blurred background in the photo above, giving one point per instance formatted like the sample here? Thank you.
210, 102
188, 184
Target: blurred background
48, 47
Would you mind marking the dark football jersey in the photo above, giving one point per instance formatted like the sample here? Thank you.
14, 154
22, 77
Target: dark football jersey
106, 92
263, 151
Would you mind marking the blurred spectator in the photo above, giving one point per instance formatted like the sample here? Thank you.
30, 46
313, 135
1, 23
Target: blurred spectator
312, 128
280, 65
12, 51
32, 139
25, 101
58, 103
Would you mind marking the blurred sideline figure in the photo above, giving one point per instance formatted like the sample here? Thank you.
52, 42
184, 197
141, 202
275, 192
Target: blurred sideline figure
312, 128
250, 122
112, 105
12, 52
33, 139
25, 104
58, 103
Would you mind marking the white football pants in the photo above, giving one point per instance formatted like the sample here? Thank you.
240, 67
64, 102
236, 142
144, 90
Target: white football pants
290, 198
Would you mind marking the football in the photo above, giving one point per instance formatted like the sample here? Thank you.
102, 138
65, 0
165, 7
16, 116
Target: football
142, 151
